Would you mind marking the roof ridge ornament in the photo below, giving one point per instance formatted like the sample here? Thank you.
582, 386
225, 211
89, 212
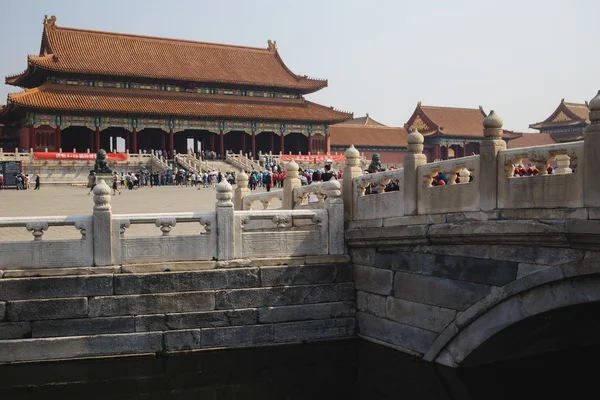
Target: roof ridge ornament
50, 21
272, 45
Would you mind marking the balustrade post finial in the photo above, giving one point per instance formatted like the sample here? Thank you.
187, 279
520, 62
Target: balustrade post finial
241, 190
412, 161
591, 155
488, 161
225, 232
290, 183
335, 213
351, 170
103, 235
102, 196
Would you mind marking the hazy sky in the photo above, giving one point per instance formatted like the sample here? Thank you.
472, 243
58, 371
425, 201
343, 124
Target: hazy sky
516, 57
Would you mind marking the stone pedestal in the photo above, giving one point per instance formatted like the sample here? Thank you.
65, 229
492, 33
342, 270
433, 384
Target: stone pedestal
107, 177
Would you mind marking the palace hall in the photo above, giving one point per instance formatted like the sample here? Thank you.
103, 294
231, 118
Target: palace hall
88, 89
566, 123
451, 132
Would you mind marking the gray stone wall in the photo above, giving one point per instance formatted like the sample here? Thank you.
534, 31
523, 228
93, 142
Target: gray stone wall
43, 318
423, 289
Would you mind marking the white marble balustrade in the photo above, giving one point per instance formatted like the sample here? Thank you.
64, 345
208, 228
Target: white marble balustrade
378, 204
265, 198
41, 253
282, 233
164, 247
562, 188
452, 197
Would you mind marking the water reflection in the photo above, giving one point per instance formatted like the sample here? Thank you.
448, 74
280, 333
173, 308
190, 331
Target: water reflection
349, 369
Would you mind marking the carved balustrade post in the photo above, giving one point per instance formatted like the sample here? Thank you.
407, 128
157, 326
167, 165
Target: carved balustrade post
488, 162
102, 226
591, 156
224, 209
412, 161
241, 191
351, 170
335, 213
289, 184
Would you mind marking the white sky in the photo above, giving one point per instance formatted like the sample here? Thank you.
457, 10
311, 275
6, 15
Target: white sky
516, 57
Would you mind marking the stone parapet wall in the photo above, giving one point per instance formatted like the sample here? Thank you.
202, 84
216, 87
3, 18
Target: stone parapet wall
439, 287
118, 313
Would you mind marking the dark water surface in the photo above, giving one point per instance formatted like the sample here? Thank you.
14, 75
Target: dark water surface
348, 369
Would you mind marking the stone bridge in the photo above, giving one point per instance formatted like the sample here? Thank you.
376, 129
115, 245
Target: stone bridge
492, 265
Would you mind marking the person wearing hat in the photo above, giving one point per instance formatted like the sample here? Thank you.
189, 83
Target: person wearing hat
115, 184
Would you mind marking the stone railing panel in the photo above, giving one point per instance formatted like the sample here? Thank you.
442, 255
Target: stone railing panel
310, 196
452, 197
42, 253
260, 234
562, 188
378, 204
265, 198
164, 247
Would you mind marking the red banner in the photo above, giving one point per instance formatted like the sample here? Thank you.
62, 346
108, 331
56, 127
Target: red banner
77, 156
315, 159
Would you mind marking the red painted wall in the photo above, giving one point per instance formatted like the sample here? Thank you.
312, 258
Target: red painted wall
388, 158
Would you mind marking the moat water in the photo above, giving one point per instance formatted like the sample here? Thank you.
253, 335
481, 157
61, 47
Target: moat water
348, 369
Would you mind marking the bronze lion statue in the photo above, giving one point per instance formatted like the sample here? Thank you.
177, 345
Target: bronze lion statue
101, 164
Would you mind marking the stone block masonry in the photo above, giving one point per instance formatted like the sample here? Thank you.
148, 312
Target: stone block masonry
45, 318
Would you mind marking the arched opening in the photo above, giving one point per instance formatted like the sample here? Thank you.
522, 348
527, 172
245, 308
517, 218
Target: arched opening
115, 139
197, 140
236, 141
151, 139
554, 316
263, 141
296, 142
76, 137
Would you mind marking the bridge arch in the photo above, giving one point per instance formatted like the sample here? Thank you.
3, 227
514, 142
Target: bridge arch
536, 295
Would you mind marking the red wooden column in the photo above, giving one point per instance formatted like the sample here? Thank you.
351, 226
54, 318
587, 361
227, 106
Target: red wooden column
327, 148
134, 140
309, 143
171, 143
222, 144
97, 139
281, 138
31, 138
253, 145
244, 143
163, 140
57, 138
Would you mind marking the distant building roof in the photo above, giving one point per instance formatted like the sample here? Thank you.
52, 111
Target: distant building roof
530, 140
566, 114
365, 121
80, 51
192, 105
367, 135
449, 121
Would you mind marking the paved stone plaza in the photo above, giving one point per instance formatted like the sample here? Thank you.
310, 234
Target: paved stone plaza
67, 200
